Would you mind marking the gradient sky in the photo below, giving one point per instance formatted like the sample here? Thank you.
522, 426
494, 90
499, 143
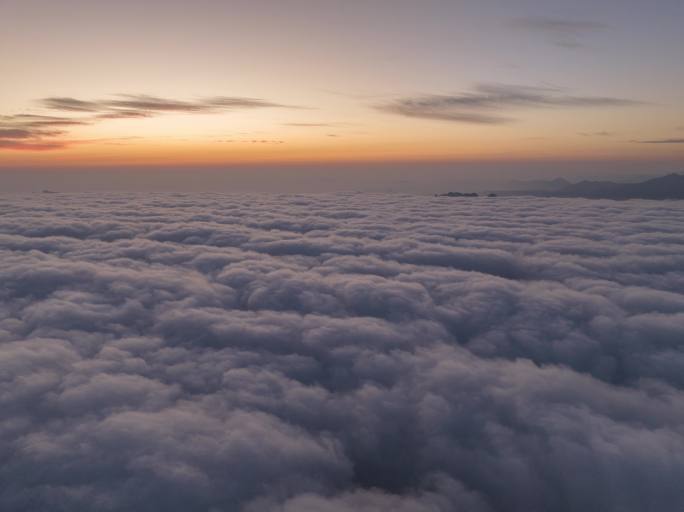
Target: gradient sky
211, 83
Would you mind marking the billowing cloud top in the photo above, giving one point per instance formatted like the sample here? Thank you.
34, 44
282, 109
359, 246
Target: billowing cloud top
340, 353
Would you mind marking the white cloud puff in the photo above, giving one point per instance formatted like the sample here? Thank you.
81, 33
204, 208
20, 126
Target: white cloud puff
340, 353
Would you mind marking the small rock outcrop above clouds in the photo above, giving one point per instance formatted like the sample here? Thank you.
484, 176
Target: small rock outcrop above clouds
458, 194
549, 185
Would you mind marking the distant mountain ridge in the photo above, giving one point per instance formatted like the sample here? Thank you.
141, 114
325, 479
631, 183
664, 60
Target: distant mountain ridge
664, 187
670, 186
555, 184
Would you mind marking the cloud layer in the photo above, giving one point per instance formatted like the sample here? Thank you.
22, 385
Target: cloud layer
493, 103
340, 353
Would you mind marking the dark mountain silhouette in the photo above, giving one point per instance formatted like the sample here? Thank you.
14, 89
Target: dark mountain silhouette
664, 187
550, 185
458, 194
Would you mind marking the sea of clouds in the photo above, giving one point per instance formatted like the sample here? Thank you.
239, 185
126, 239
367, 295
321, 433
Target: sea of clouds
340, 353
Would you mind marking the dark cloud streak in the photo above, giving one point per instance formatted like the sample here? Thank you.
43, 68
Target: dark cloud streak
33, 145
492, 103
557, 25
15, 133
310, 125
142, 105
661, 141
30, 132
564, 33
32, 127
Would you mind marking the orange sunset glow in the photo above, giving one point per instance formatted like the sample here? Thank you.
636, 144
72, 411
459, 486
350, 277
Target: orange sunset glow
342, 85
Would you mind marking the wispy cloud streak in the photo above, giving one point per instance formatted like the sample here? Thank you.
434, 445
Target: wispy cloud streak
661, 141
30, 132
143, 105
562, 32
492, 103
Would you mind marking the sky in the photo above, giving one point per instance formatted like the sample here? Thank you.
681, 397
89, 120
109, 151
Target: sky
550, 87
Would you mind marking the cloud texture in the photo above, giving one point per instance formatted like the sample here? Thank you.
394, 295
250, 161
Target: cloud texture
340, 353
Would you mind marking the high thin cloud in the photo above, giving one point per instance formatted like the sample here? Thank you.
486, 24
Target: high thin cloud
320, 125
662, 141
340, 353
310, 125
38, 145
493, 103
141, 105
602, 133
31, 132
557, 25
565, 33
15, 133
39, 121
